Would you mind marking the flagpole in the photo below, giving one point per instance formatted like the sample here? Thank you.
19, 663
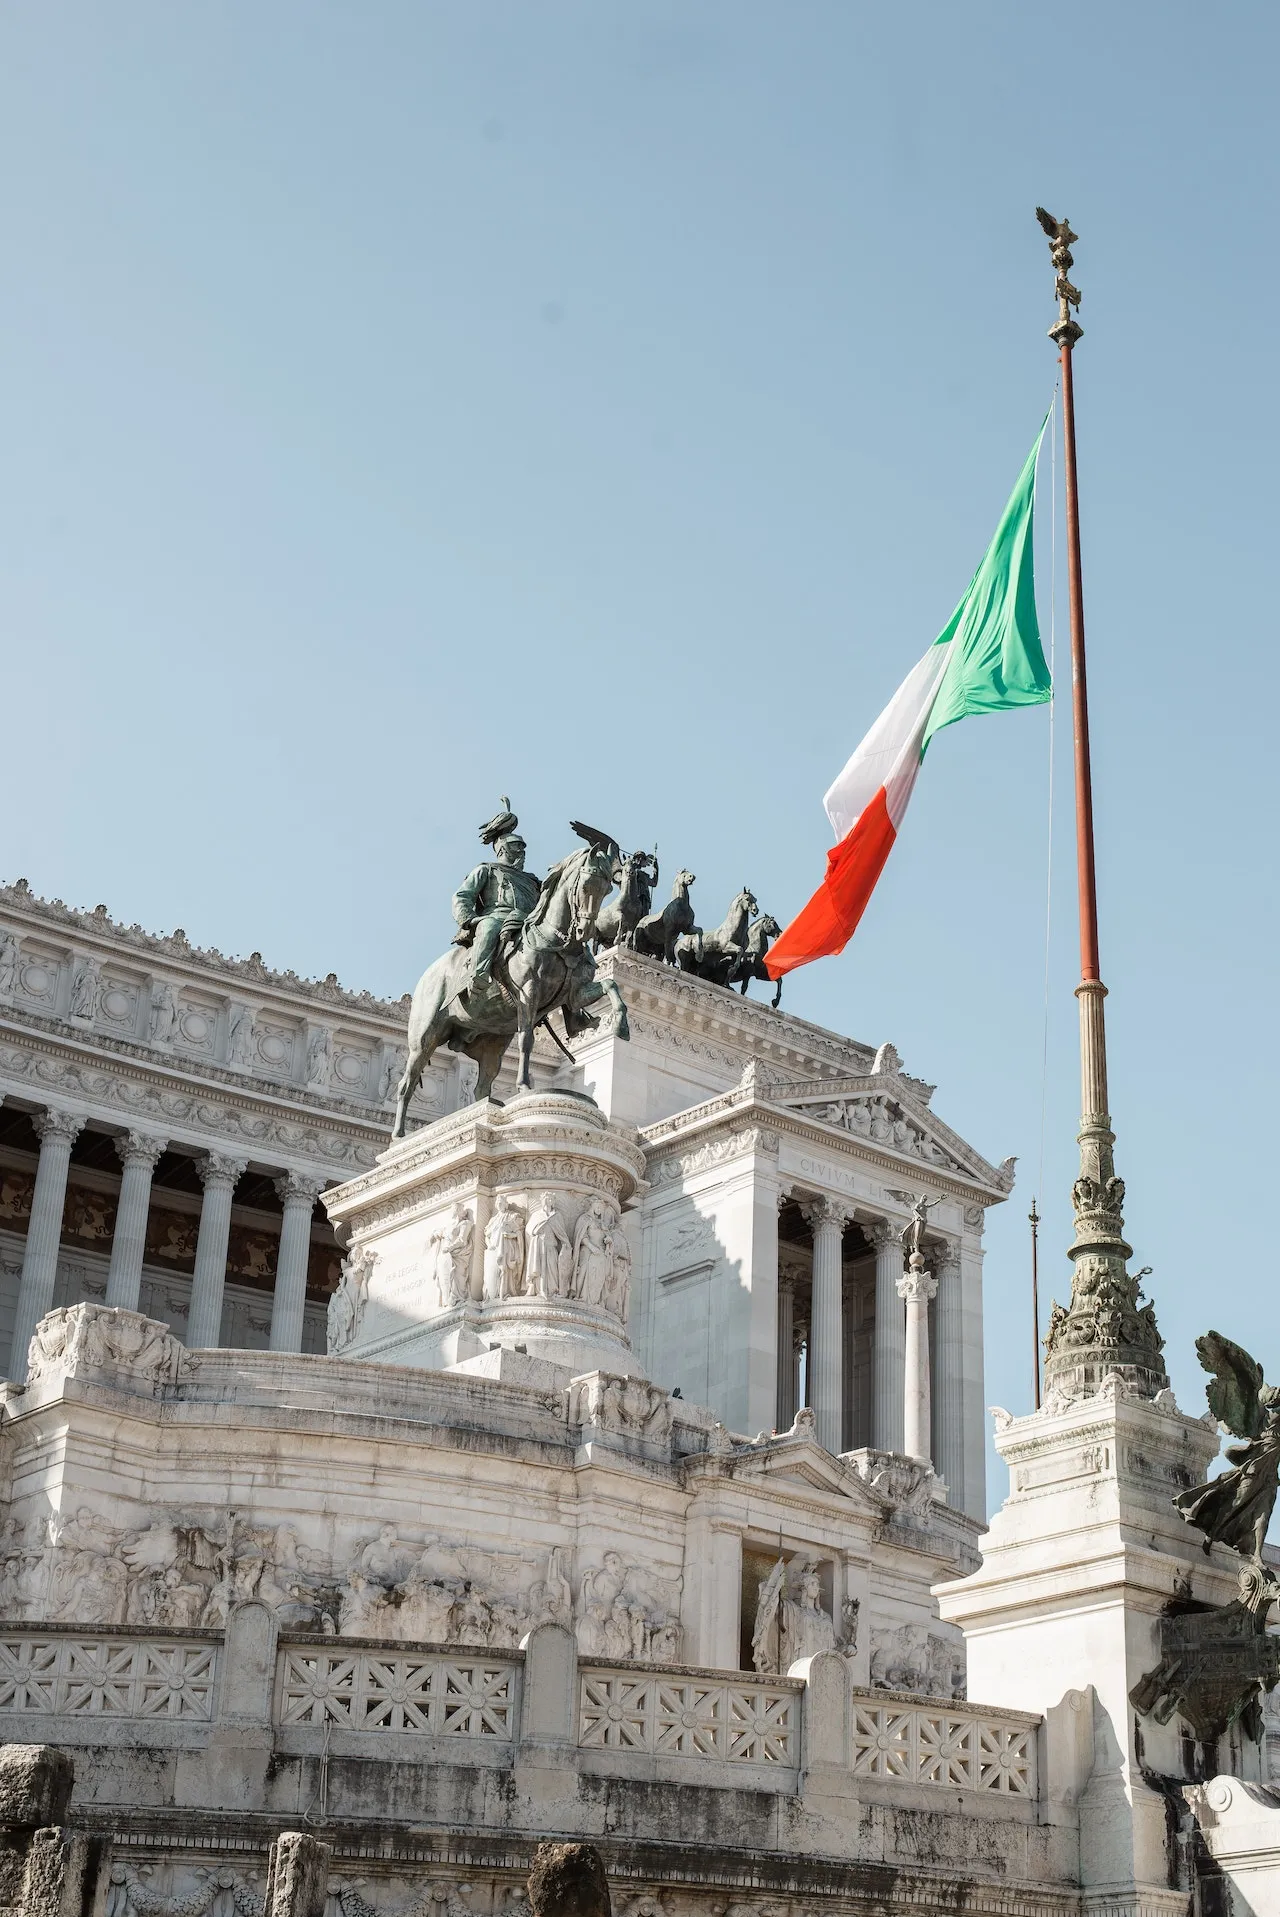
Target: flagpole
1109, 1331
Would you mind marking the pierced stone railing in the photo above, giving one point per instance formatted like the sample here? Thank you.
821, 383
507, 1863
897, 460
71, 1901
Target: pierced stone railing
77, 1675
466, 1695
684, 1714
908, 1740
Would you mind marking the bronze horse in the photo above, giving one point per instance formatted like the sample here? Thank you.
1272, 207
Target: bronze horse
550, 967
635, 876
656, 935
760, 936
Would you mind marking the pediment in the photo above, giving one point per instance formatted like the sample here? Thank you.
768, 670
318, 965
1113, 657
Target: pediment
887, 1112
803, 1463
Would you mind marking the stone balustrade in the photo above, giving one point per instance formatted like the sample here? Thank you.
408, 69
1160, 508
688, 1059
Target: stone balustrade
719, 1728
699, 1714
462, 1694
78, 1675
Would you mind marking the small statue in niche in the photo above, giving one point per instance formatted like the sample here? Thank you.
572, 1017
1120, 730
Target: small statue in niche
164, 1015
240, 1037
319, 1056
791, 1620
8, 963
85, 987
1235, 1509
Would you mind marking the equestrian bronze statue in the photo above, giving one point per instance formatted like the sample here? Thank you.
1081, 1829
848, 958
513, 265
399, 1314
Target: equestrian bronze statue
522, 952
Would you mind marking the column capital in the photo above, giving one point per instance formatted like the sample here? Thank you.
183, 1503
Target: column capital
918, 1286
944, 1257
299, 1187
214, 1169
824, 1210
54, 1122
140, 1148
881, 1232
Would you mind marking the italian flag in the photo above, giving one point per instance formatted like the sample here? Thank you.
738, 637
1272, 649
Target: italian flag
987, 658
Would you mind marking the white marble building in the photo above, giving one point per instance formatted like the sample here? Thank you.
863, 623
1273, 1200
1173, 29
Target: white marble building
170, 1118
547, 1473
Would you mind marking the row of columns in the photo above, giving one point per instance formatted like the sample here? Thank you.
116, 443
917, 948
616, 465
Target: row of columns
139, 1153
902, 1387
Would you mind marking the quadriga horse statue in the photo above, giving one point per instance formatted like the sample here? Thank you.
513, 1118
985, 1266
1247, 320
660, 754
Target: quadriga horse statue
635, 877
656, 935
550, 967
716, 955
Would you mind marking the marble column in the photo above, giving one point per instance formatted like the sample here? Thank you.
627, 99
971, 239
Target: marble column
826, 1352
974, 1419
917, 1287
786, 1411
949, 1421
298, 1193
888, 1341
219, 1177
139, 1153
847, 1368
58, 1131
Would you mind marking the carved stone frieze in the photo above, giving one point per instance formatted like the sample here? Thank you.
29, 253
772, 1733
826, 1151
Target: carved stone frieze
719, 1151
83, 1338
629, 1612
628, 1407
135, 1097
913, 1658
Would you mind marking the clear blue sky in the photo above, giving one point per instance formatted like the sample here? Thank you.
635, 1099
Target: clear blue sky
605, 404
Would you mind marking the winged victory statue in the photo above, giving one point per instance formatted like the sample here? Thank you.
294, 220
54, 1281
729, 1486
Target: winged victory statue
1235, 1508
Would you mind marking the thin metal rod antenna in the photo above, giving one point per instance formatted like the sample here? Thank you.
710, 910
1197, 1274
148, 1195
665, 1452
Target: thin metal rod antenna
1034, 1217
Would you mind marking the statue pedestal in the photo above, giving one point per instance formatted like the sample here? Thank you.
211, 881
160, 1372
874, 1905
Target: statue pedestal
1085, 1559
500, 1226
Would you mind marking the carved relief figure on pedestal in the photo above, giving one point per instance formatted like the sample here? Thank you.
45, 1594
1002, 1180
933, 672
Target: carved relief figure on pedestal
453, 1242
550, 1257
504, 1237
592, 1255
618, 1296
346, 1307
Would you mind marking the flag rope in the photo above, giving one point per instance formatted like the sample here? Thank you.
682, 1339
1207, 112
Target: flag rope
1053, 702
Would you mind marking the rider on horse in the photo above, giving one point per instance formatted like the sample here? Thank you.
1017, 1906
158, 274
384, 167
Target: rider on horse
496, 898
